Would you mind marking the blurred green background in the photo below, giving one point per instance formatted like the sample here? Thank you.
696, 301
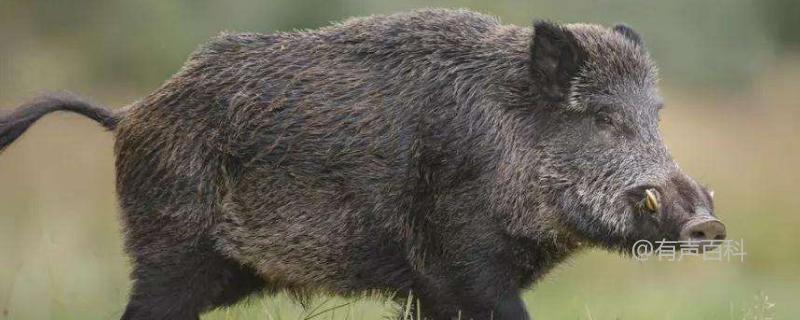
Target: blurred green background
730, 71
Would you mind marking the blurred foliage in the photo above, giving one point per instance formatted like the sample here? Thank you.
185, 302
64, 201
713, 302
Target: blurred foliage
730, 70
138, 44
782, 18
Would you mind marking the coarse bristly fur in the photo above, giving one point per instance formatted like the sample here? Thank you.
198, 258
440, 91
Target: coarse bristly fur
436, 153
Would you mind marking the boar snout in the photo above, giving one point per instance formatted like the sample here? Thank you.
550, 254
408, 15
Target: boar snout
703, 229
682, 208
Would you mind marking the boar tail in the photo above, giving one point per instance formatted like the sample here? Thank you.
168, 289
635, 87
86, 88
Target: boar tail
14, 123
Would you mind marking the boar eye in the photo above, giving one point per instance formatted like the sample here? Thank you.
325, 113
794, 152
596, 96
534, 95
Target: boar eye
605, 119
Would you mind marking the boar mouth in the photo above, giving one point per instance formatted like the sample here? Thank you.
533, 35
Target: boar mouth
700, 232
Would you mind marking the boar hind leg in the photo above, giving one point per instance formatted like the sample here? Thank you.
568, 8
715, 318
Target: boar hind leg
177, 273
182, 285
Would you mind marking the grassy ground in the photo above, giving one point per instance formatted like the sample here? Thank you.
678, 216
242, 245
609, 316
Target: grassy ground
61, 257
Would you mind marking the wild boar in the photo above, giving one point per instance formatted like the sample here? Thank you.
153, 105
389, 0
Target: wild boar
435, 153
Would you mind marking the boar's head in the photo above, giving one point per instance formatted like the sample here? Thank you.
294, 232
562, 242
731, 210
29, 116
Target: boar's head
598, 163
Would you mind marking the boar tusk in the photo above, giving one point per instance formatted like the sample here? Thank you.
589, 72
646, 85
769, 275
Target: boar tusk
651, 200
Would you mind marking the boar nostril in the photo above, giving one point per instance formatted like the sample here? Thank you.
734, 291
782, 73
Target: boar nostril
698, 235
703, 229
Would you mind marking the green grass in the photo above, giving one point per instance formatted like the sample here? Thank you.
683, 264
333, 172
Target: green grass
579, 297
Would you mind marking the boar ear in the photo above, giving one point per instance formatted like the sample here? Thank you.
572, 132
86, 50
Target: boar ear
628, 33
555, 58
